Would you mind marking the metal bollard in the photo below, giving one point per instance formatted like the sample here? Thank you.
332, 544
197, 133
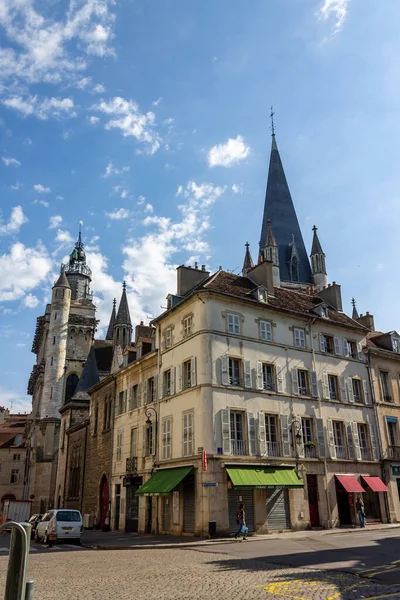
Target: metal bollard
30, 584
16, 584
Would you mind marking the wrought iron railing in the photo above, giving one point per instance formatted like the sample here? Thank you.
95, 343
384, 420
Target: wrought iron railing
273, 449
238, 447
310, 451
131, 464
341, 452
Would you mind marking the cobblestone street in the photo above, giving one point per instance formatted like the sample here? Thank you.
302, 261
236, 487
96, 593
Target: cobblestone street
186, 573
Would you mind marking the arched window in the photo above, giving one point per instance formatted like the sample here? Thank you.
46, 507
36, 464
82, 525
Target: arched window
70, 386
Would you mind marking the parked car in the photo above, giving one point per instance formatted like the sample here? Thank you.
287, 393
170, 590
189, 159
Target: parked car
33, 521
69, 525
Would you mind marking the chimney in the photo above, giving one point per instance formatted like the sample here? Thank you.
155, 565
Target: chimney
367, 320
332, 295
262, 274
188, 278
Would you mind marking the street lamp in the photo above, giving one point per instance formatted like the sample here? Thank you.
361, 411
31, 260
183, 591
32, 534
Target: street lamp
148, 415
295, 427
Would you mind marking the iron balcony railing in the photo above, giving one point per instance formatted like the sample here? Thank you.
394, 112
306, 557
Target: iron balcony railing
238, 447
272, 449
310, 452
365, 454
341, 452
394, 452
131, 464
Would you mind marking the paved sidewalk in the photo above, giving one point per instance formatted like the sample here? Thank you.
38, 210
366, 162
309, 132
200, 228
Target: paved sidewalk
117, 540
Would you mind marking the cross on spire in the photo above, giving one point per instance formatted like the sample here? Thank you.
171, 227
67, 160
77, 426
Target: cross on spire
272, 121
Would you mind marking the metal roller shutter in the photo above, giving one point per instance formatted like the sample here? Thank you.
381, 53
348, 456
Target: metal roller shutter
278, 509
189, 505
233, 505
166, 513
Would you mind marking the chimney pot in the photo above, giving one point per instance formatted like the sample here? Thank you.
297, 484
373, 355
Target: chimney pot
195, 265
334, 283
203, 267
141, 322
367, 313
361, 315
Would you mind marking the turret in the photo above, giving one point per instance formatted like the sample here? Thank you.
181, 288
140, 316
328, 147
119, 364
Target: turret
111, 325
318, 263
78, 273
248, 261
123, 324
271, 253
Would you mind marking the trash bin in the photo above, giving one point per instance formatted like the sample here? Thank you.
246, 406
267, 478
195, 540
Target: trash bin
212, 528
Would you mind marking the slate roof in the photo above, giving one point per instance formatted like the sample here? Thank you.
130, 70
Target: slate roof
62, 281
123, 315
110, 330
316, 245
248, 261
89, 377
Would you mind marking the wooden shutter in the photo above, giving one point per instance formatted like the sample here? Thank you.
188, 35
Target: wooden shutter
350, 393
343, 389
366, 392
251, 428
139, 395
300, 446
338, 345
285, 435
322, 342
144, 444
225, 370
172, 380
262, 444
260, 383
247, 374
331, 439
226, 430
160, 390
155, 388
325, 385
346, 351
314, 384
145, 386
373, 438
180, 378
130, 402
360, 351
356, 440
295, 382
350, 441
279, 379
193, 379
321, 438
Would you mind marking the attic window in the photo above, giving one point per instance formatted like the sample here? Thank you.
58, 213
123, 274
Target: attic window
321, 310
396, 345
262, 295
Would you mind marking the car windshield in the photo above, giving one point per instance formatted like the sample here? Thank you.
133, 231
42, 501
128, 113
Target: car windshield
46, 517
33, 518
68, 515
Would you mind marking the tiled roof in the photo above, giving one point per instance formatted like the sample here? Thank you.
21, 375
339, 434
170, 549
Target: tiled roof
10, 428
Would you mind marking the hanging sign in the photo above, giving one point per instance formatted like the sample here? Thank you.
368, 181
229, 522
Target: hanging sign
204, 460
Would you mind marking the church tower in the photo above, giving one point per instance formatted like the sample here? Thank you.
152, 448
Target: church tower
123, 325
248, 263
318, 263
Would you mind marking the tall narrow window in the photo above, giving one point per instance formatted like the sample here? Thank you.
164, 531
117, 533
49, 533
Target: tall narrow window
187, 434
333, 387
339, 442
238, 446
268, 377
266, 331
187, 374
385, 386
168, 337
187, 326
235, 371
134, 441
233, 323
364, 445
299, 337
166, 439
119, 447
357, 390
308, 438
302, 377
271, 435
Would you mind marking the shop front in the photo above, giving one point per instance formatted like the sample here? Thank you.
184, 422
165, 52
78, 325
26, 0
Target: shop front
132, 484
348, 489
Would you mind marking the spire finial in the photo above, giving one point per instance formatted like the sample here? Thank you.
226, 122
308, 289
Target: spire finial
272, 121
247, 245
355, 314
353, 302
124, 285
314, 229
114, 302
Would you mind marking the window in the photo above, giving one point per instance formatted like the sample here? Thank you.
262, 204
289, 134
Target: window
96, 419
151, 390
75, 472
351, 349
235, 371
16, 457
333, 387
55, 316
308, 438
268, 373
396, 345
299, 337
71, 516
167, 383
238, 446
135, 396
266, 331
187, 326
392, 430
271, 435
233, 323
327, 344
302, 378
18, 440
166, 439
385, 385
121, 402
187, 434
51, 361
168, 337
54, 340
70, 386
338, 438
14, 476
119, 446
187, 374
134, 441
150, 438
357, 390
364, 445
107, 413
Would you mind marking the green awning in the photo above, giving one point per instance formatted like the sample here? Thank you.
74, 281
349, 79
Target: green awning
163, 482
262, 477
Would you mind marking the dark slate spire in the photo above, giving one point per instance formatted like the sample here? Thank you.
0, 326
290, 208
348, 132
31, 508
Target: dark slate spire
355, 314
110, 330
280, 209
248, 261
89, 377
62, 281
123, 315
316, 245
271, 239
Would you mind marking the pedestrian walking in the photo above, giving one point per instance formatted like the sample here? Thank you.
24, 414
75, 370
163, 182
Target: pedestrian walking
52, 531
360, 512
241, 521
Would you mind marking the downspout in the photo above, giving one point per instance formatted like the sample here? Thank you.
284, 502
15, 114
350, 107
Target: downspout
157, 448
84, 465
66, 469
111, 451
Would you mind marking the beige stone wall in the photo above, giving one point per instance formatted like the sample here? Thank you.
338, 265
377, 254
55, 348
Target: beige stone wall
9, 460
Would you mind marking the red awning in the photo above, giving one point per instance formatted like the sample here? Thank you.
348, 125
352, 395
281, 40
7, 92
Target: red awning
350, 483
375, 483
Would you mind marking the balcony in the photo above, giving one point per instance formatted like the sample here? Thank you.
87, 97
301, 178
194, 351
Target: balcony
238, 447
310, 451
269, 386
131, 465
387, 399
273, 449
303, 391
365, 454
166, 392
341, 452
394, 452
235, 381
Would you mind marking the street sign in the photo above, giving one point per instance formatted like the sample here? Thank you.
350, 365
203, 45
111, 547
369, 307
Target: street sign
210, 484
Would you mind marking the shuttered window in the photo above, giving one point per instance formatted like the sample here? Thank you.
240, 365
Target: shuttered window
187, 434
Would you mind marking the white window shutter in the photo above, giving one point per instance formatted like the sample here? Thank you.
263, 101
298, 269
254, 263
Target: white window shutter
285, 435
325, 385
172, 380
247, 374
260, 383
263, 330
302, 338
343, 389
262, 443
226, 430
268, 328
366, 392
374, 439
338, 345
130, 400
144, 441
350, 441
346, 351
180, 378
360, 351
331, 439
251, 427
321, 438
139, 394
356, 441
145, 386
161, 388
314, 384
225, 370
155, 387
279, 378
193, 379
295, 382
350, 392
322, 343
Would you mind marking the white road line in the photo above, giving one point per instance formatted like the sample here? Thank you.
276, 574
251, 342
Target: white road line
3, 549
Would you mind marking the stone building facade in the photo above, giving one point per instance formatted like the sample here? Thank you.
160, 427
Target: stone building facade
12, 455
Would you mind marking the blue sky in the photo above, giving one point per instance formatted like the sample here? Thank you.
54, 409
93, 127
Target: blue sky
149, 121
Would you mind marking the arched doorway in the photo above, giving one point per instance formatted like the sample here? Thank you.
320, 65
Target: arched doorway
104, 498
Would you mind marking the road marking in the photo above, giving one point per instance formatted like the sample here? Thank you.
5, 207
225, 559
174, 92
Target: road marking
3, 549
290, 588
394, 562
393, 595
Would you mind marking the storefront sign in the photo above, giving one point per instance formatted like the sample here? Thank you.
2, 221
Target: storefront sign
210, 484
204, 460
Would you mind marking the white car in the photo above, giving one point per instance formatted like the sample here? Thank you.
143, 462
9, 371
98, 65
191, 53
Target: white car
69, 525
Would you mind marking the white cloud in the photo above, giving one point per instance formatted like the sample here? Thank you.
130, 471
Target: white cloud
41, 109
111, 170
228, 154
22, 270
120, 213
41, 189
64, 237
158, 101
148, 208
126, 116
59, 198
336, 11
30, 301
94, 120
98, 89
10, 162
124, 193
42, 203
16, 186
17, 219
141, 200
82, 83
237, 188
55, 221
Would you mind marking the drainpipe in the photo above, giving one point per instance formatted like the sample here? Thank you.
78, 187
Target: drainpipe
113, 405
84, 466
157, 423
